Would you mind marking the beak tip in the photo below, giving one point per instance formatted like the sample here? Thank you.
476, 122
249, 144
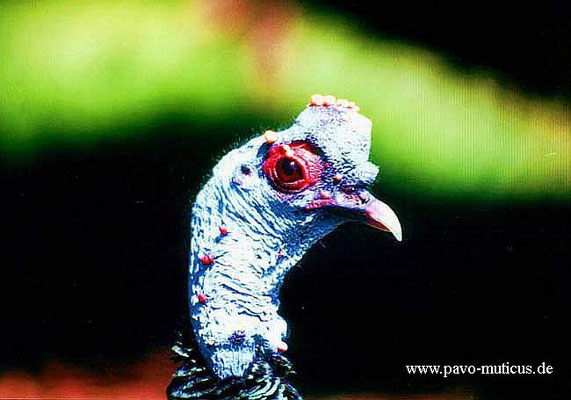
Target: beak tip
383, 217
396, 230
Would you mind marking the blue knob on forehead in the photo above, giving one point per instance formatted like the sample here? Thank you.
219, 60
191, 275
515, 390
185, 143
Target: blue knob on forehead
336, 129
340, 132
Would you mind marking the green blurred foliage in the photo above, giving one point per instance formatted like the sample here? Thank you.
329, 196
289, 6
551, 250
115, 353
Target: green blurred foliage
76, 74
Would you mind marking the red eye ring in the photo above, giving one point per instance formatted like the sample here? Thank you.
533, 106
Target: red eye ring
292, 168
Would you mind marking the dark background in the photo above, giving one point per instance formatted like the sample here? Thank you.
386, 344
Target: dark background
526, 43
94, 262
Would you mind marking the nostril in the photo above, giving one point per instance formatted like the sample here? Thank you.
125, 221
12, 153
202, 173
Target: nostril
348, 189
356, 193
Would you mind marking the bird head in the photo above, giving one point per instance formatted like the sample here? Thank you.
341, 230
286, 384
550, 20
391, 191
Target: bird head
316, 173
266, 203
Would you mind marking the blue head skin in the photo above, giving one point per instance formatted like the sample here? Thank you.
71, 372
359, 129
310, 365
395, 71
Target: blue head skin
266, 203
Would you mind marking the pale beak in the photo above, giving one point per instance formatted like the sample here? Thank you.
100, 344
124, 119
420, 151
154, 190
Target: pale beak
381, 216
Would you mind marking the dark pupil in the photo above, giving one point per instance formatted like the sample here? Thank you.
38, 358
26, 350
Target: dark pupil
290, 167
289, 170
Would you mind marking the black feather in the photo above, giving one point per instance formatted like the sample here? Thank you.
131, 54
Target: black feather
265, 379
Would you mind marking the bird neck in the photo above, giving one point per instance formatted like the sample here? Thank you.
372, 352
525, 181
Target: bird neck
240, 254
250, 243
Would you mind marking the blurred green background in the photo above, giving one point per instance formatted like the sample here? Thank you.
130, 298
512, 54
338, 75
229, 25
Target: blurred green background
76, 75
113, 113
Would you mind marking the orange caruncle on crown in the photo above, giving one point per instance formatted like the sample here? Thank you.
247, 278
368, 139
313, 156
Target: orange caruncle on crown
318, 100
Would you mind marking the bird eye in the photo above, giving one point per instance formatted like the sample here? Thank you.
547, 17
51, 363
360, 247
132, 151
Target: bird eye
292, 168
289, 170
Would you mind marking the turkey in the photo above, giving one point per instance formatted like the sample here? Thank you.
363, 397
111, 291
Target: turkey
265, 205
